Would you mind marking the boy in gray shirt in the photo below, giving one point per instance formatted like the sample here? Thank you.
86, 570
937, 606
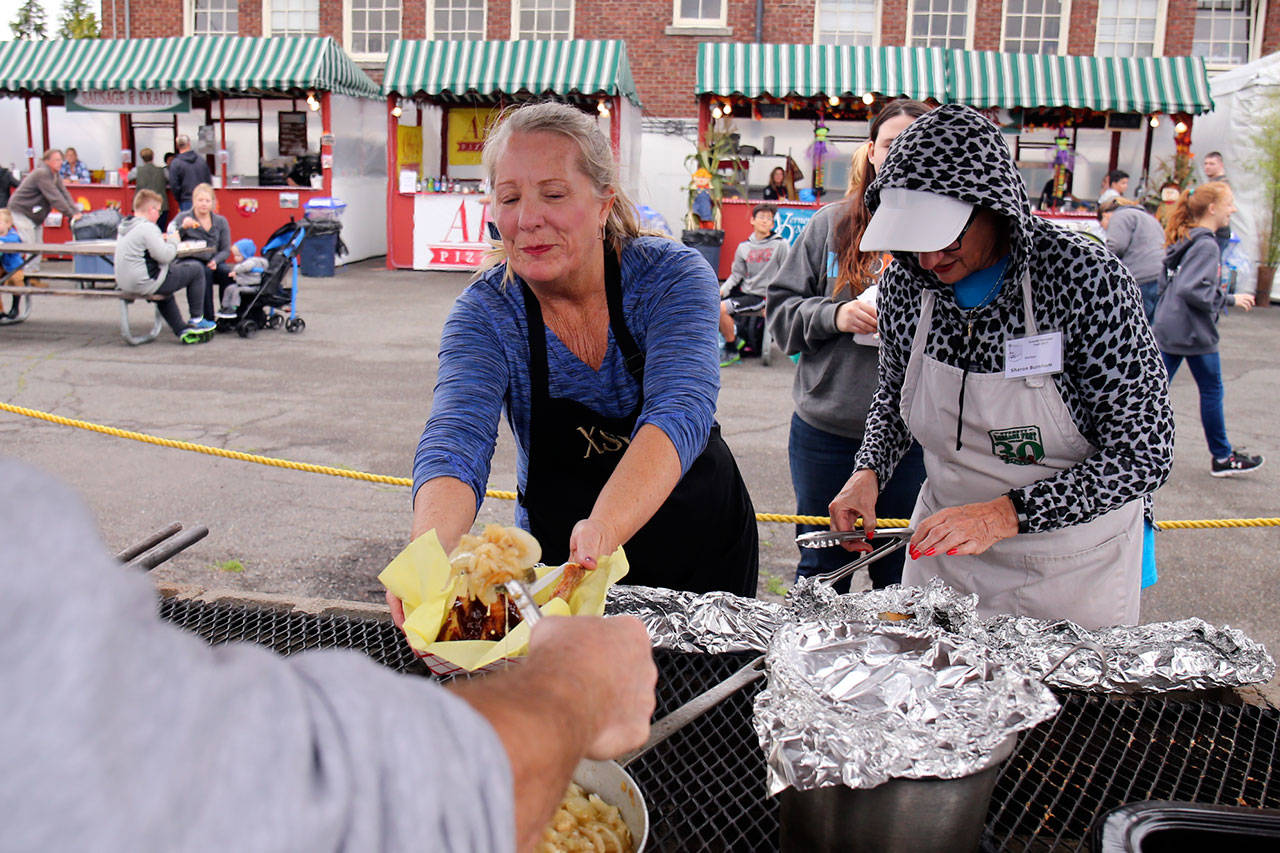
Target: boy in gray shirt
755, 263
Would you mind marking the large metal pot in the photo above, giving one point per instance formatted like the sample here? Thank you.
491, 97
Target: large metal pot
900, 816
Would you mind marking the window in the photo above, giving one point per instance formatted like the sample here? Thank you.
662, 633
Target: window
373, 25
699, 13
939, 23
543, 19
1224, 30
1128, 27
456, 20
215, 18
295, 17
1033, 26
846, 22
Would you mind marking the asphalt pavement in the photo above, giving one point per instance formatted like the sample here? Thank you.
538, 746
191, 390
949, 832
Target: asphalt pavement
354, 389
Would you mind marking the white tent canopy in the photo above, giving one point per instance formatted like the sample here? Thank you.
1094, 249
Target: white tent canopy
1242, 96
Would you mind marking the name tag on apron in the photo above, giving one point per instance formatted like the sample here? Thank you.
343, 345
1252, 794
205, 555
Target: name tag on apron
1035, 355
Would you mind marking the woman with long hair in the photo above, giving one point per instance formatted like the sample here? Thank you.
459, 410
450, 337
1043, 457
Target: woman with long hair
201, 221
777, 189
821, 306
1186, 318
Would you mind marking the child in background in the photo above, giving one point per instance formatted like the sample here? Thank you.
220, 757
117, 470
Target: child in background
247, 269
10, 260
755, 263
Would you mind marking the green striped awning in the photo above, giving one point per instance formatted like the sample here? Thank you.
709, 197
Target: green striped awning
809, 70
204, 63
458, 70
1171, 84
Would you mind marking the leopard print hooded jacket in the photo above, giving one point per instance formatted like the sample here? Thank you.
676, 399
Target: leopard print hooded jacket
1112, 382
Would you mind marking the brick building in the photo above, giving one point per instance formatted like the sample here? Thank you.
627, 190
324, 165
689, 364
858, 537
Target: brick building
662, 35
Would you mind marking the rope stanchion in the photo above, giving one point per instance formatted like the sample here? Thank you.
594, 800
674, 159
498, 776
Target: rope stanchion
499, 494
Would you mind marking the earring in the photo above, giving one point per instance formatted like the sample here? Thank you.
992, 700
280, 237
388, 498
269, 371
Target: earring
600, 236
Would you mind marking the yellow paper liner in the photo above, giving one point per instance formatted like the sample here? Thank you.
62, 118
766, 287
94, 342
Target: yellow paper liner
420, 577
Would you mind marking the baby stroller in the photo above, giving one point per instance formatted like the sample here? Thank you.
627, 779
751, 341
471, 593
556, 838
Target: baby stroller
259, 309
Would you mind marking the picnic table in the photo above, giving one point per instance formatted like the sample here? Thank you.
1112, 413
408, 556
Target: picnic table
21, 296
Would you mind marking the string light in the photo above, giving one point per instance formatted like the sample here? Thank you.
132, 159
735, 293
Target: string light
396, 111
602, 107
1180, 127
728, 108
834, 100
716, 112
1155, 121
868, 99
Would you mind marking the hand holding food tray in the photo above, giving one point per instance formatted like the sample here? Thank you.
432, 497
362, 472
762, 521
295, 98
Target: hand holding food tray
441, 592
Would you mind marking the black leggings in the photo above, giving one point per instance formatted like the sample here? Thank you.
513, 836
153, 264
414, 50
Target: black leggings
181, 276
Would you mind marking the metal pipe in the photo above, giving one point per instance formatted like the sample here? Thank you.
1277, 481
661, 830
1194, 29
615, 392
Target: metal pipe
150, 542
127, 34
759, 21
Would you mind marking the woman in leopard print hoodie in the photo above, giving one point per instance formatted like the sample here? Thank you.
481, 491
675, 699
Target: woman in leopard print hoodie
1037, 481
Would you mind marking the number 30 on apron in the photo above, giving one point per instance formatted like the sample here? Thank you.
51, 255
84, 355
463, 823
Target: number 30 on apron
1016, 431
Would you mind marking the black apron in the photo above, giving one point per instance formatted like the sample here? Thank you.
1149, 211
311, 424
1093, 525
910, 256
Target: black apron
702, 538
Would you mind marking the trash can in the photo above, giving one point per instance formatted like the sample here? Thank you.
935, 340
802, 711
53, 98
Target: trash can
95, 225
323, 242
708, 242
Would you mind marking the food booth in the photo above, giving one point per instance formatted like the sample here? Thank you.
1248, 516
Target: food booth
262, 110
805, 104
441, 97
1043, 102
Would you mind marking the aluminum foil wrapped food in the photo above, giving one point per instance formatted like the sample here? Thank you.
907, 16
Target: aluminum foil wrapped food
853, 704
1189, 654
933, 606
709, 623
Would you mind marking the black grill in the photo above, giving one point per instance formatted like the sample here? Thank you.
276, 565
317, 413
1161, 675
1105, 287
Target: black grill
706, 785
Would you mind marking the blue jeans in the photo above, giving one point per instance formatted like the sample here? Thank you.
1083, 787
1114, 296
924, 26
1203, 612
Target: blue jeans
1150, 295
821, 463
1206, 369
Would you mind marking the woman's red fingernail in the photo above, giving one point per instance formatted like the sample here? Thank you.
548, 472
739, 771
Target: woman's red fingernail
952, 552
931, 552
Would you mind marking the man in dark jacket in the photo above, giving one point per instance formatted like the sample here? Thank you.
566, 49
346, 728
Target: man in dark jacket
187, 171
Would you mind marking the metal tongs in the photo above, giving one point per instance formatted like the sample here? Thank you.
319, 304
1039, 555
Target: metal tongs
888, 540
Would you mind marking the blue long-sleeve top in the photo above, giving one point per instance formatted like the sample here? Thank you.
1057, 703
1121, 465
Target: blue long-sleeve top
670, 301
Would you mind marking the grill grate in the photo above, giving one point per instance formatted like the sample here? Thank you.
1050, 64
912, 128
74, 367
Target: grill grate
706, 785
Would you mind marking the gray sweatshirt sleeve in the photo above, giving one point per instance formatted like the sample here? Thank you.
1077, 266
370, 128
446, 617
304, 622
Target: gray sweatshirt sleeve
162, 250
1196, 281
1120, 234
737, 272
801, 317
222, 231
123, 732
56, 193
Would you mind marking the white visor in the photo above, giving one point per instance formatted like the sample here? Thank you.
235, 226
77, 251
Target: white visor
914, 221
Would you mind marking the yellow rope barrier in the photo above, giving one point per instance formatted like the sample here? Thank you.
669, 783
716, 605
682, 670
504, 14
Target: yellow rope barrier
767, 517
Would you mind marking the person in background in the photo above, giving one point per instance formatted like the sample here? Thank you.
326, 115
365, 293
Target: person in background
8, 183
598, 344
819, 306
73, 169
777, 189
1136, 238
1215, 169
149, 176
1186, 318
1114, 185
755, 262
187, 171
202, 222
11, 262
1015, 352
322, 750
144, 263
41, 190
246, 272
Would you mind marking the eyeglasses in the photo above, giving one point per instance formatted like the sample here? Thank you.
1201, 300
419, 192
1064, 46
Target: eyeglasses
955, 246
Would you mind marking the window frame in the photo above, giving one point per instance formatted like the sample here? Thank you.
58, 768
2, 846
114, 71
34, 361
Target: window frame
971, 8
875, 29
515, 21
432, 34
1162, 20
348, 31
698, 23
266, 20
1258, 17
1064, 28
189, 17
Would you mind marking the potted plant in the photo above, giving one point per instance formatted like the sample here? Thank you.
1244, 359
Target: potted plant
706, 190
1265, 165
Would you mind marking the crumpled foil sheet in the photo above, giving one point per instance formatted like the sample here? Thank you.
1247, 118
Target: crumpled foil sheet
1189, 654
854, 704
709, 623
1186, 655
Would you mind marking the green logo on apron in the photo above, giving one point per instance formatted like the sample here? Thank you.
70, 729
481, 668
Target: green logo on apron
1018, 445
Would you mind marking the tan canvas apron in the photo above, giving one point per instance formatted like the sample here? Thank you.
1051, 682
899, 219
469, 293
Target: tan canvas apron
1089, 573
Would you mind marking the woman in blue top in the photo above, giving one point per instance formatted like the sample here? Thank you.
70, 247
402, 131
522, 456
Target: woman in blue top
600, 345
